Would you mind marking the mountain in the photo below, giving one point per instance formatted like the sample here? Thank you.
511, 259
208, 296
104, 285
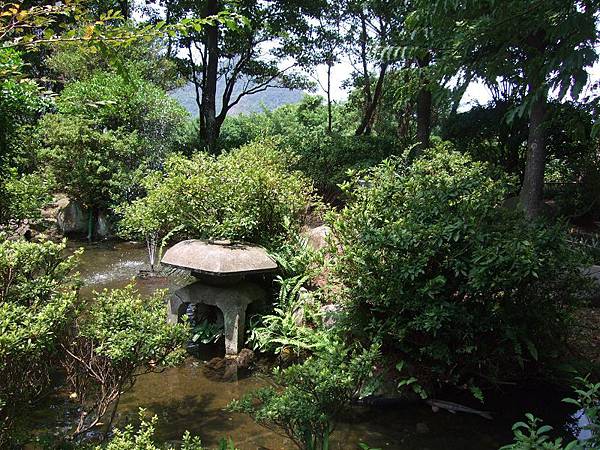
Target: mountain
270, 99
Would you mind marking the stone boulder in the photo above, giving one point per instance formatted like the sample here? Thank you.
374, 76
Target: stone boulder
593, 273
317, 237
70, 217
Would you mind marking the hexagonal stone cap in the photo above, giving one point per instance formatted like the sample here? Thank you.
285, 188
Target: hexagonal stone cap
219, 258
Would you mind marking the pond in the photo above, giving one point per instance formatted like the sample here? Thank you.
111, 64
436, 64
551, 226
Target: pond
185, 398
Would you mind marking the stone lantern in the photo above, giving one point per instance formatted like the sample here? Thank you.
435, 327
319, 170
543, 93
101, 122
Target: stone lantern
221, 268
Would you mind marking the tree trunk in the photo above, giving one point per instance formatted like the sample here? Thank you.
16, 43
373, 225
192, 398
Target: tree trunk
423, 110
368, 116
209, 93
124, 7
532, 191
197, 89
329, 113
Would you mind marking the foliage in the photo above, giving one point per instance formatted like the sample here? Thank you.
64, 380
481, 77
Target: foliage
142, 59
427, 260
93, 166
322, 156
311, 395
38, 303
20, 104
26, 195
121, 336
294, 325
531, 435
207, 332
143, 438
246, 194
129, 103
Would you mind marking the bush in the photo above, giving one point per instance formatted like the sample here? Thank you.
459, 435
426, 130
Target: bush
25, 195
143, 439
532, 435
38, 303
128, 103
246, 194
311, 395
95, 167
460, 288
121, 336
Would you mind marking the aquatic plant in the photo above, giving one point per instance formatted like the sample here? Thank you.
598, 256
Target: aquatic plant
143, 438
533, 435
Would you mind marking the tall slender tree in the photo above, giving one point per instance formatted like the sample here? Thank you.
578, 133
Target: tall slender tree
544, 46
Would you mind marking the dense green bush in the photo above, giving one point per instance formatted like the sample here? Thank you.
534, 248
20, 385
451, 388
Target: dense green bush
128, 103
246, 194
38, 303
460, 288
21, 102
96, 167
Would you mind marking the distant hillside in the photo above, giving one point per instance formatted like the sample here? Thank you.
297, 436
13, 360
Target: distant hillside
271, 98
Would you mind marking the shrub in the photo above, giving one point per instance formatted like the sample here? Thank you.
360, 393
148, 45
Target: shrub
143, 439
95, 167
311, 395
532, 435
246, 194
460, 288
26, 194
129, 103
121, 336
38, 303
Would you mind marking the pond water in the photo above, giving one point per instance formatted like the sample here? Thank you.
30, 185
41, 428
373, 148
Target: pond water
185, 398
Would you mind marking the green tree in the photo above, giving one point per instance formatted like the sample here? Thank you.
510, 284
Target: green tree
21, 103
537, 46
236, 55
98, 168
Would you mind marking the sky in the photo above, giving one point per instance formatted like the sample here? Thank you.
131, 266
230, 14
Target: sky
477, 92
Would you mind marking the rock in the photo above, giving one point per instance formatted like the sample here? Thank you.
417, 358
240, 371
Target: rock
330, 314
317, 237
245, 358
102, 226
227, 369
593, 273
70, 217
